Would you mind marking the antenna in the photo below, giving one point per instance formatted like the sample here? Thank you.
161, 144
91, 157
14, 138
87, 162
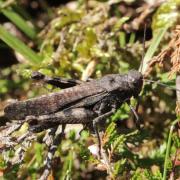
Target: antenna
143, 53
162, 84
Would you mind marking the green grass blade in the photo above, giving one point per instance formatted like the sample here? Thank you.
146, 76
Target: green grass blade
19, 46
19, 22
152, 48
168, 149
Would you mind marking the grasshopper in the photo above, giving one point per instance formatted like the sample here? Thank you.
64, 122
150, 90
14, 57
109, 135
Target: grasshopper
77, 102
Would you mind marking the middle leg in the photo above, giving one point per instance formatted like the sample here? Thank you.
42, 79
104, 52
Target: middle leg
97, 120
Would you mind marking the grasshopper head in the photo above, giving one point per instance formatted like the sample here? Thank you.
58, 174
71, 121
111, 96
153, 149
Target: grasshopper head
135, 81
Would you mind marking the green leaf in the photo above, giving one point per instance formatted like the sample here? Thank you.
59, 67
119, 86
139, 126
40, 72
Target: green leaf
119, 23
67, 16
152, 48
67, 167
122, 113
38, 153
132, 38
111, 129
166, 15
167, 160
19, 22
19, 46
119, 167
118, 143
122, 39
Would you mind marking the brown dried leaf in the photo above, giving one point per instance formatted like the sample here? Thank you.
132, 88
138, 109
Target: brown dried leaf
172, 51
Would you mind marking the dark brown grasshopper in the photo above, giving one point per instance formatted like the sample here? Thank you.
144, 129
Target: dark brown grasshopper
78, 102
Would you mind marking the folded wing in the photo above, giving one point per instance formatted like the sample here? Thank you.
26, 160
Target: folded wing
52, 102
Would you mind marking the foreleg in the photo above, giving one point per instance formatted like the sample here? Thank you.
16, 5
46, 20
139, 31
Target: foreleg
136, 117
